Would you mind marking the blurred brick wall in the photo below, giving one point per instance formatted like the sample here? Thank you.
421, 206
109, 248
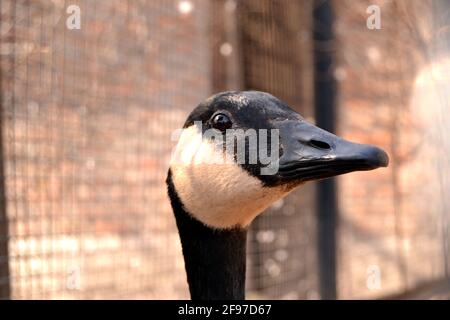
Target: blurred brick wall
393, 221
87, 120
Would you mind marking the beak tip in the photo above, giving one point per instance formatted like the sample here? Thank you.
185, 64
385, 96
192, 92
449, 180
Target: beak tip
384, 160
379, 158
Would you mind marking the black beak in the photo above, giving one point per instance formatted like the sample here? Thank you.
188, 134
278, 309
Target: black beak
310, 153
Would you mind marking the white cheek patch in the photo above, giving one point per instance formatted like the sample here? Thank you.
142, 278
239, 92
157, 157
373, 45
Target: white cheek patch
219, 194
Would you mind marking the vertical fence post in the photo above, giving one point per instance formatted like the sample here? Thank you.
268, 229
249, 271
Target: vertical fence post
325, 105
4, 264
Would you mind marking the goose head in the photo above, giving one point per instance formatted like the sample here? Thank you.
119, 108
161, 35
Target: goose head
239, 152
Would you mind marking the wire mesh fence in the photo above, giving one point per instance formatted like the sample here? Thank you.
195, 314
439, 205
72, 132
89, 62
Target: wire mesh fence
86, 143
394, 226
87, 117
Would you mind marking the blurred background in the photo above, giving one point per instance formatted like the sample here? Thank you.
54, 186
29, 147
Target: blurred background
88, 110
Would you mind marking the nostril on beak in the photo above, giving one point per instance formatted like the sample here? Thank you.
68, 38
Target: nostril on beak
319, 144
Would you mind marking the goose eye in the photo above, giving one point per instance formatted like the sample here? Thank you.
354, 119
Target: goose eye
221, 122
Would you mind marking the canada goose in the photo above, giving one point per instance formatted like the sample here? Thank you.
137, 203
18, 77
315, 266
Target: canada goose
214, 201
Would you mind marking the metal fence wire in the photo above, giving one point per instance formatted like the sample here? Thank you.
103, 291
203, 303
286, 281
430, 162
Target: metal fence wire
87, 120
87, 123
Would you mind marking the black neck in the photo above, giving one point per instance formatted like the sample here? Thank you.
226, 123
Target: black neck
214, 259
